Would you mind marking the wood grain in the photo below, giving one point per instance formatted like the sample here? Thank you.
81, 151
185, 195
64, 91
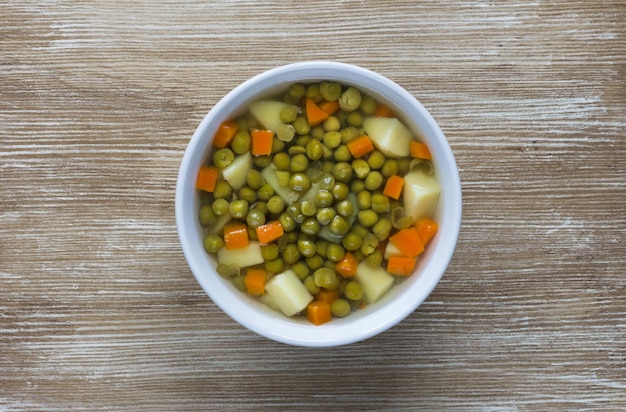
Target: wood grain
100, 312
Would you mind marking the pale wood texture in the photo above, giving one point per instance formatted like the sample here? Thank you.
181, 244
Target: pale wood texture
99, 310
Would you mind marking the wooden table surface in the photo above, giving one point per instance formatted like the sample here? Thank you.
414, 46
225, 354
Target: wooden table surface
99, 310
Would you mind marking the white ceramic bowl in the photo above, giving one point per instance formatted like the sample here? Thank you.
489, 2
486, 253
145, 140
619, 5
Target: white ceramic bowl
396, 304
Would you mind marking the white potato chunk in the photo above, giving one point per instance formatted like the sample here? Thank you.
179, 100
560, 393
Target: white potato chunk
236, 173
376, 281
389, 136
248, 256
288, 292
421, 194
267, 112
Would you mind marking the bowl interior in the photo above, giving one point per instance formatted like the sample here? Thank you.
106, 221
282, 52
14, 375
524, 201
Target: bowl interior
403, 298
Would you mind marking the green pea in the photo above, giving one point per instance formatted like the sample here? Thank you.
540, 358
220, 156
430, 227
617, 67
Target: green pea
335, 252
241, 142
207, 216
283, 177
357, 185
212, 243
369, 245
255, 218
361, 168
277, 145
324, 198
332, 139
340, 308
317, 132
269, 252
299, 182
301, 270
327, 182
374, 180
330, 90
382, 228
265, 192
285, 132
364, 199
295, 212
281, 161
368, 105
354, 119
342, 154
297, 90
353, 290
291, 254
262, 161
261, 206
314, 149
313, 92
301, 124
220, 207
326, 278
288, 114
376, 160
404, 164
315, 262
222, 190
390, 168
247, 194
310, 226
275, 204
302, 142
350, 99
287, 222
238, 208
375, 259
359, 230
352, 241
239, 283
309, 283
299, 163
321, 247
306, 247
380, 203
332, 125
227, 270
223, 157
342, 172
350, 133
325, 215
308, 208
367, 217
345, 208
339, 226
340, 191
275, 265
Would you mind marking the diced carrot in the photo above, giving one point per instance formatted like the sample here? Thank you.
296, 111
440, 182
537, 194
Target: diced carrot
360, 146
269, 232
426, 229
236, 236
383, 110
408, 242
328, 296
225, 133
393, 187
314, 114
255, 281
346, 267
329, 107
207, 178
401, 265
318, 312
261, 142
419, 150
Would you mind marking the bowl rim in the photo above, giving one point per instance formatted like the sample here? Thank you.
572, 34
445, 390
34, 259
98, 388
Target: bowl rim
369, 322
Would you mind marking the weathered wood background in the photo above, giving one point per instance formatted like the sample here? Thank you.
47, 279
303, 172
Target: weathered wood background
98, 310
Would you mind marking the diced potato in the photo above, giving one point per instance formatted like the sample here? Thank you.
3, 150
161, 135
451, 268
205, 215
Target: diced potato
391, 250
389, 136
288, 195
219, 224
236, 173
421, 194
288, 292
267, 300
375, 281
245, 257
267, 112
